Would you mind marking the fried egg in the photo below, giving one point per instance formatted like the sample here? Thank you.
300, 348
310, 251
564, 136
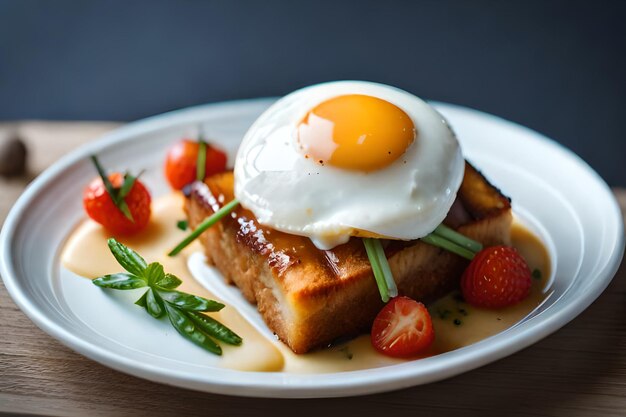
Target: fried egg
349, 158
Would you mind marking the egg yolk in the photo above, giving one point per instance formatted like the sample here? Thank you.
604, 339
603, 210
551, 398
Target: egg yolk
356, 132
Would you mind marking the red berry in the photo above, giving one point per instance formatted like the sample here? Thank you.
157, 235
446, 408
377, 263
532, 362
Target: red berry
497, 277
101, 208
402, 328
181, 162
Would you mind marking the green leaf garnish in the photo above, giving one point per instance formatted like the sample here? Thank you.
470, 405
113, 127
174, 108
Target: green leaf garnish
168, 282
190, 302
214, 328
201, 161
105, 178
120, 281
154, 272
183, 324
208, 222
183, 310
154, 304
142, 301
129, 181
116, 194
128, 258
182, 225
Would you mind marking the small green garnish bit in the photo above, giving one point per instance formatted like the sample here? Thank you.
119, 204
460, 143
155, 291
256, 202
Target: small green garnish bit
448, 245
442, 237
201, 161
183, 310
382, 273
116, 194
536, 274
346, 351
208, 222
453, 236
182, 225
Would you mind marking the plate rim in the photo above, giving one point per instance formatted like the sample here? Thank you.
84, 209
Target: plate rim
309, 386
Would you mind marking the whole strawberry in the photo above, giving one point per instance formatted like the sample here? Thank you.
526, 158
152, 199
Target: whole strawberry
497, 277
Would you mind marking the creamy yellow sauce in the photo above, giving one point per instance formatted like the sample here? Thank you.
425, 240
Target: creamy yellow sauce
456, 323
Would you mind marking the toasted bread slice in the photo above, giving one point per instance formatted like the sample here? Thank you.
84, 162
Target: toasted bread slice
310, 297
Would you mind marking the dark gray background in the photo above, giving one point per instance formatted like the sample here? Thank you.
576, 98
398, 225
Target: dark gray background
558, 67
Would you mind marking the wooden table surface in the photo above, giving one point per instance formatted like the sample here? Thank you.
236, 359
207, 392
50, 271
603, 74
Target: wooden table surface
578, 371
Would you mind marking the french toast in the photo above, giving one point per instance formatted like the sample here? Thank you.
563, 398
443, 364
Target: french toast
311, 297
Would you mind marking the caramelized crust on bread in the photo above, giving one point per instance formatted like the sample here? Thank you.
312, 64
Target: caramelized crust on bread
310, 297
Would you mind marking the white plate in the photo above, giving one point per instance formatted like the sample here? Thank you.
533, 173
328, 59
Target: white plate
552, 190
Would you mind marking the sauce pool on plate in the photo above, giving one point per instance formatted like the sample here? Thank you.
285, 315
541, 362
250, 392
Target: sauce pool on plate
456, 323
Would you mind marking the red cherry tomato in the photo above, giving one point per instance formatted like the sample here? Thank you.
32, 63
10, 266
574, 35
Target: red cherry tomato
101, 208
181, 162
402, 328
497, 277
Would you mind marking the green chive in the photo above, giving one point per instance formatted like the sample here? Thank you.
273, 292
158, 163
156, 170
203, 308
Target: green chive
456, 237
116, 195
208, 222
372, 247
392, 289
443, 243
201, 162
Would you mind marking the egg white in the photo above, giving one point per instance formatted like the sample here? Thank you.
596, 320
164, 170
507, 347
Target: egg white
405, 200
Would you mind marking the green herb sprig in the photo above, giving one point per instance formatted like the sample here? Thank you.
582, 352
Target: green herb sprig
382, 273
442, 237
207, 223
183, 310
117, 194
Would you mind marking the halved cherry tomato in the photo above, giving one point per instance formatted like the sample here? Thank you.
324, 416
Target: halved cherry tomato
402, 328
181, 162
101, 208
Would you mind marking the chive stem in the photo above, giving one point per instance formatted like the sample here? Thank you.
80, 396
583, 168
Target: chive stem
117, 195
448, 245
392, 289
456, 237
201, 161
208, 222
380, 267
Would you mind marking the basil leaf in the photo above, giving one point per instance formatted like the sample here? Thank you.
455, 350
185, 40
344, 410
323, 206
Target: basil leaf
187, 329
142, 301
128, 258
154, 272
120, 281
190, 302
154, 304
169, 282
214, 328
